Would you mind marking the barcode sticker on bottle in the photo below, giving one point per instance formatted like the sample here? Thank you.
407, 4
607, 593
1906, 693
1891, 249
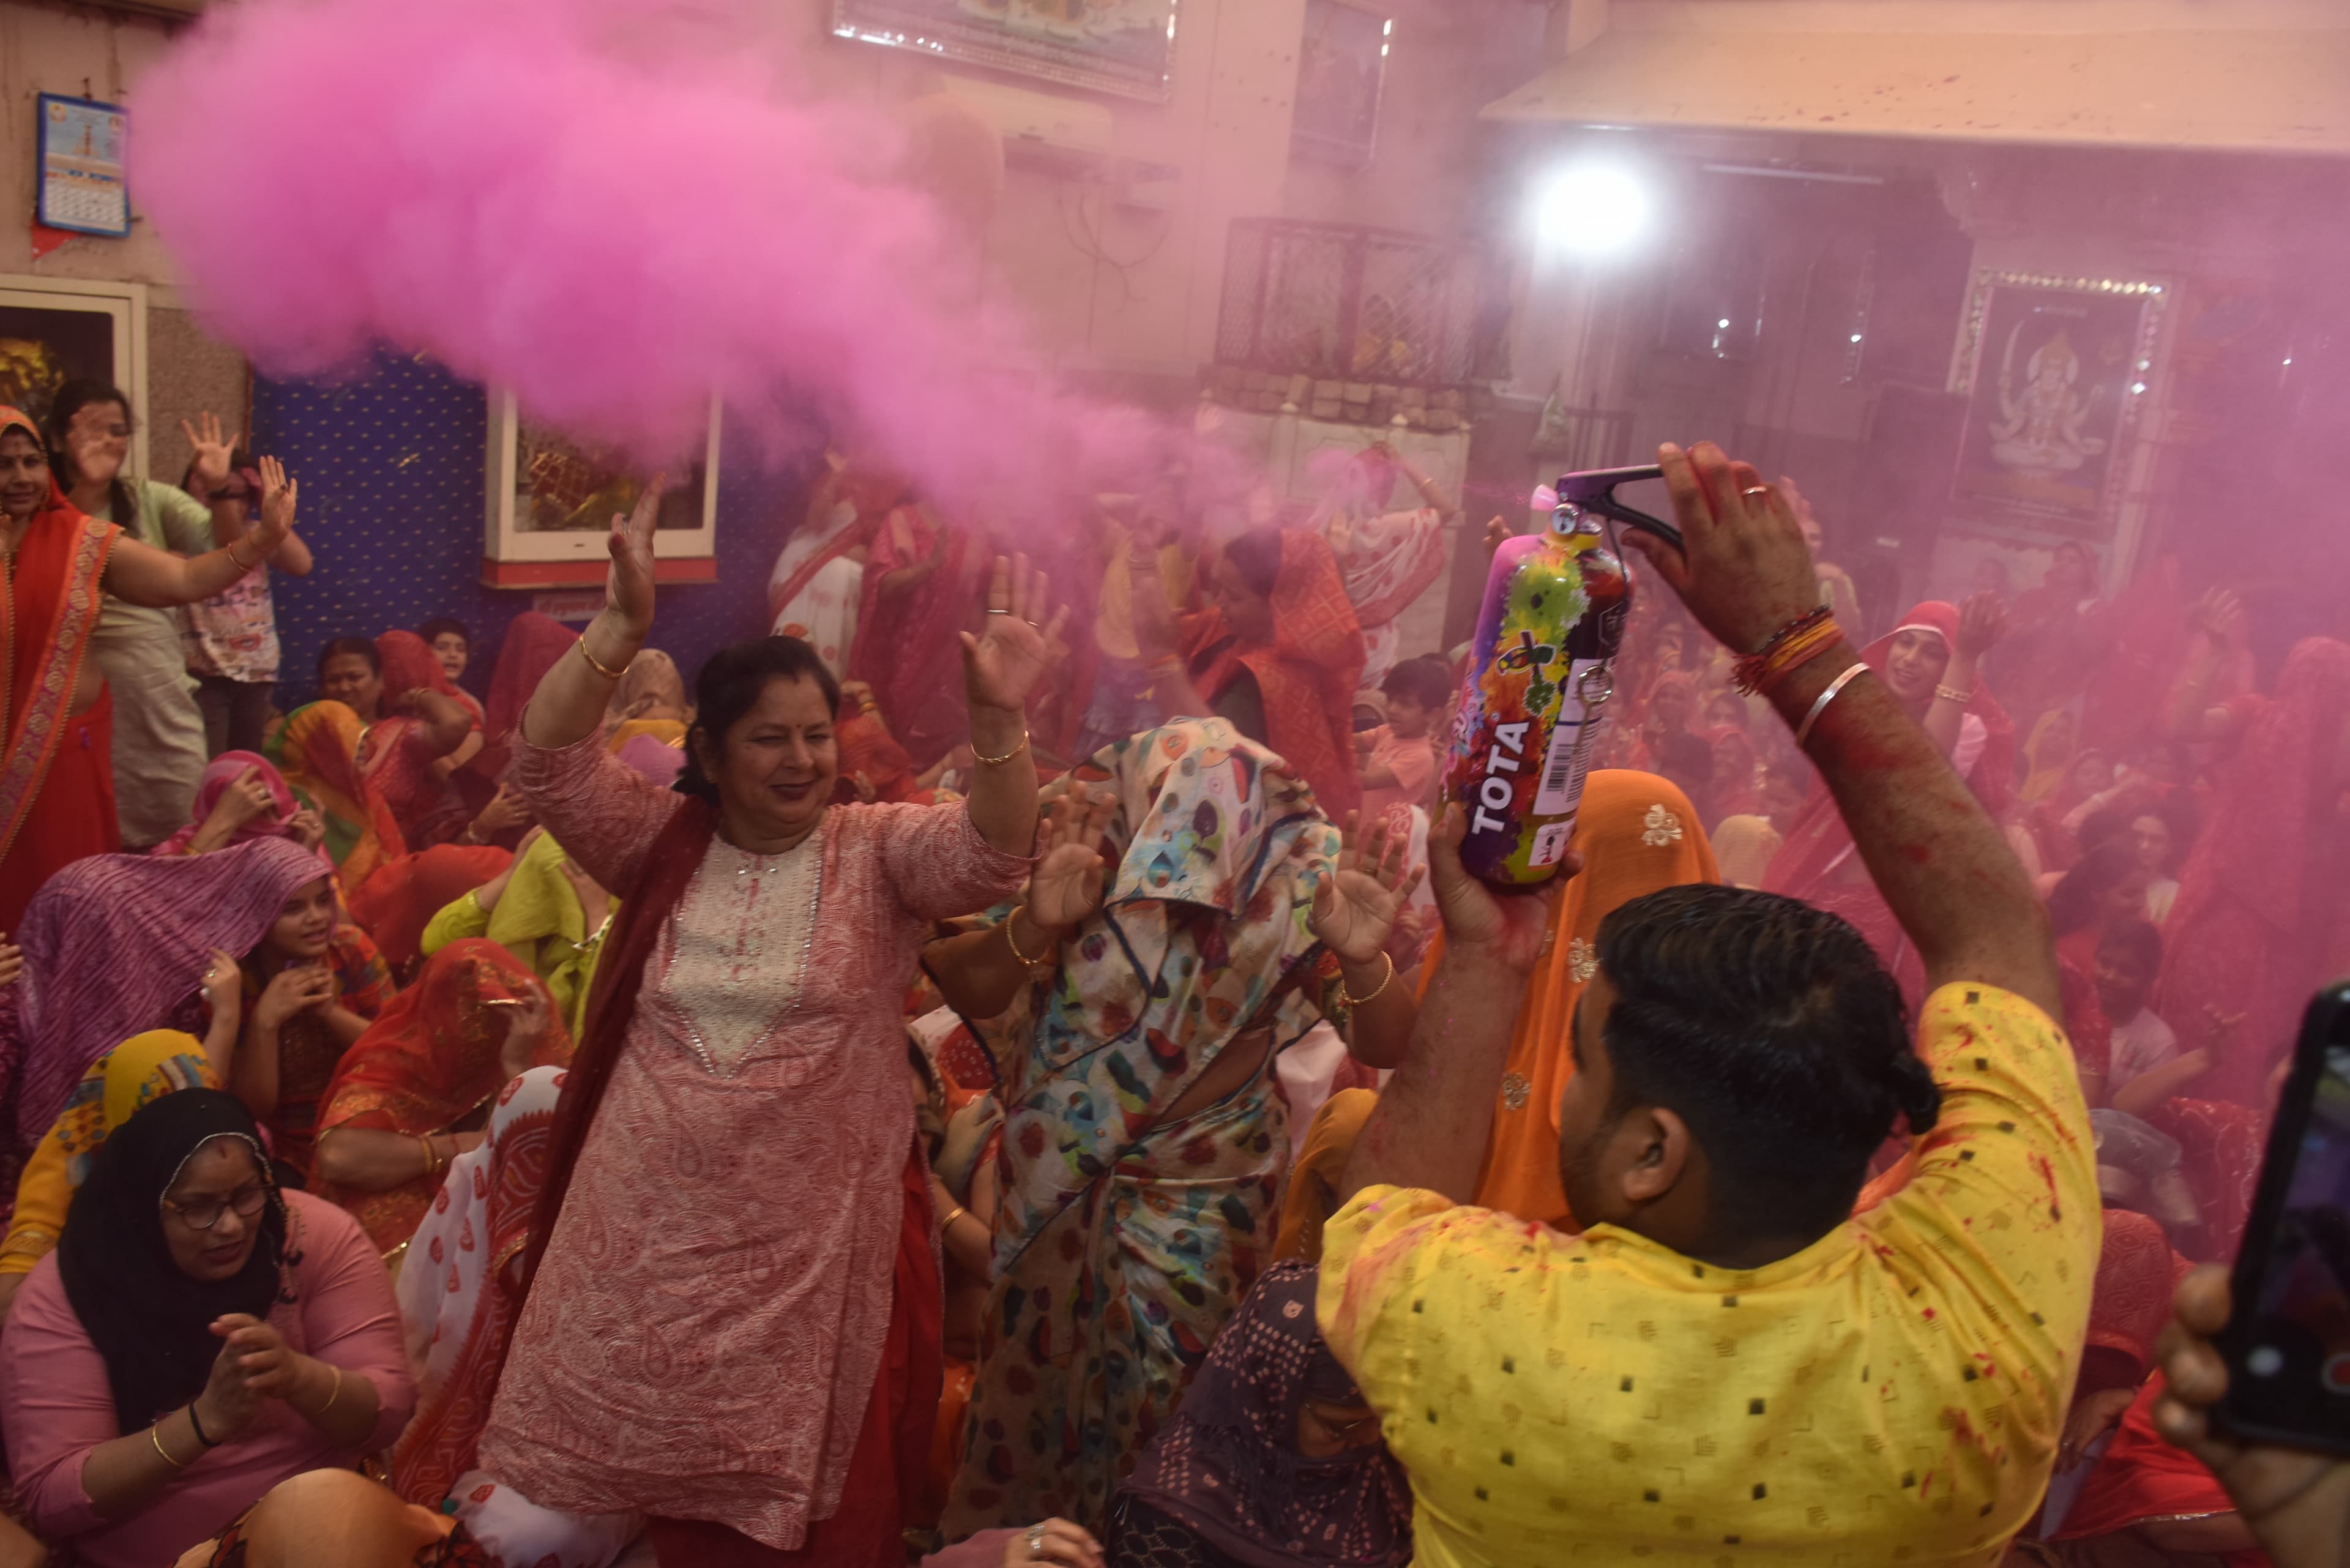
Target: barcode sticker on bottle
1571, 747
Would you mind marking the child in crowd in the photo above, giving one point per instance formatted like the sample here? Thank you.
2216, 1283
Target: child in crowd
1398, 757
450, 643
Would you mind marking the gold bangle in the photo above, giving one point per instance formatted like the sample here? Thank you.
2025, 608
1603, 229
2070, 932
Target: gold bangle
1347, 1001
598, 665
332, 1394
999, 762
239, 560
155, 1432
1953, 694
1013, 942
947, 1223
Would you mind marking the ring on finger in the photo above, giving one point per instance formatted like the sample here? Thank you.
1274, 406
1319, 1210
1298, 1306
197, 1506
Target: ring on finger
1755, 490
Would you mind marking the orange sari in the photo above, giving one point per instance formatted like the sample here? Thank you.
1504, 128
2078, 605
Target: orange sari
430, 1058
1638, 836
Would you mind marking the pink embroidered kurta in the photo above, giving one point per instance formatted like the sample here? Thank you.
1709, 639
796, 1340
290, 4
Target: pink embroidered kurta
707, 1322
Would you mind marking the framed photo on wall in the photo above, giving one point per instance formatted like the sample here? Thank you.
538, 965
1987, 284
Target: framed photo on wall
2054, 370
551, 502
1341, 61
1124, 46
54, 331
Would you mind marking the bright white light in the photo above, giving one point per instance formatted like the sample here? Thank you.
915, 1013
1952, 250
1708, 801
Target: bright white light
2288, 359
2138, 386
1591, 209
1855, 337
1723, 323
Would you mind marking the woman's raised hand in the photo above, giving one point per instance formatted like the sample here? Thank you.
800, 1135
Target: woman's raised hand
243, 800
2220, 617
628, 586
1066, 889
528, 1017
214, 451
1357, 905
1000, 666
223, 985
1982, 621
279, 497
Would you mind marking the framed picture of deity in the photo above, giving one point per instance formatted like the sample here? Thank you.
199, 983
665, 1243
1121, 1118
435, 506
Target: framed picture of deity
550, 504
54, 331
1124, 46
1342, 62
2055, 371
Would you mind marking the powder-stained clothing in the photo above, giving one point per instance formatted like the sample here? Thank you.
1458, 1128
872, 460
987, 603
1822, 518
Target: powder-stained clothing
1894, 1392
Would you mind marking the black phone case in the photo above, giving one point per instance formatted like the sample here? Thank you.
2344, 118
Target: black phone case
2326, 1022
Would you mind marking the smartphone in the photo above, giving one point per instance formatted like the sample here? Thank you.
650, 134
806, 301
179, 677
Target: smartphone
2288, 1344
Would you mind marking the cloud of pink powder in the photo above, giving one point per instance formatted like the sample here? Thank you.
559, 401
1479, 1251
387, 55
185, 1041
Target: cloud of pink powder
617, 209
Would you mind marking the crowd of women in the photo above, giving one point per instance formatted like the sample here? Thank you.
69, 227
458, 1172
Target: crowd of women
787, 1120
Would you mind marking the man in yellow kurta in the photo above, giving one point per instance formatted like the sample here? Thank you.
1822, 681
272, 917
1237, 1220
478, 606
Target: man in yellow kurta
1729, 1365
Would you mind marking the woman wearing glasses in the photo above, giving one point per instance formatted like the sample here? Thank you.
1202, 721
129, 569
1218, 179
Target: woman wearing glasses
198, 1335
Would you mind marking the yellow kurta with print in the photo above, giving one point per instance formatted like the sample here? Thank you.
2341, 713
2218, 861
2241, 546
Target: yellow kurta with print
1892, 1394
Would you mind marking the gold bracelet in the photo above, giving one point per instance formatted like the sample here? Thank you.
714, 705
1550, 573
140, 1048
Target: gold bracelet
1953, 694
598, 665
239, 560
1347, 1001
156, 1433
947, 1224
1013, 942
332, 1394
999, 762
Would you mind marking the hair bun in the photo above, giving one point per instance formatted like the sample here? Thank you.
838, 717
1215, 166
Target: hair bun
1915, 1092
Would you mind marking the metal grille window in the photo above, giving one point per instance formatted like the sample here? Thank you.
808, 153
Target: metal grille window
1356, 303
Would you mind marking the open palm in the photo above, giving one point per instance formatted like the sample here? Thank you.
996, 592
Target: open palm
1066, 889
628, 586
1360, 902
1001, 664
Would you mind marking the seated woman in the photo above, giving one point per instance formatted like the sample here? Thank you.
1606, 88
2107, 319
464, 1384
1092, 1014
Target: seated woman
546, 911
649, 699
119, 1085
318, 751
115, 945
414, 1092
451, 643
245, 797
199, 1336
1274, 1457
372, 736
1148, 990
1276, 653
312, 985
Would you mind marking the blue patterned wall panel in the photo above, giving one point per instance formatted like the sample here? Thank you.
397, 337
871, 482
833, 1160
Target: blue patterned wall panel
391, 472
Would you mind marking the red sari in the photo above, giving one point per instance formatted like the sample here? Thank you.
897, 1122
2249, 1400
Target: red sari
1812, 863
57, 778
2140, 1479
1306, 677
533, 643
398, 900
430, 1059
907, 649
2250, 931
398, 763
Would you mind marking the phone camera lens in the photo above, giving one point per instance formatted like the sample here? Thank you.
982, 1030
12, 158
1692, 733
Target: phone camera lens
2266, 1361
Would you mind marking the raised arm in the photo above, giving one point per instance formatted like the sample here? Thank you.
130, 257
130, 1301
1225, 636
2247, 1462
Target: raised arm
999, 667
2219, 626
156, 579
1431, 1126
572, 695
1937, 857
446, 722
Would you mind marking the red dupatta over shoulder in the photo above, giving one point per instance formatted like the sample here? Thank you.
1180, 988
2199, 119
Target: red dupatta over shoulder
1306, 677
49, 603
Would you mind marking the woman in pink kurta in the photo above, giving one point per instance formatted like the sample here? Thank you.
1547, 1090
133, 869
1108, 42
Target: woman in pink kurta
130, 1432
730, 1320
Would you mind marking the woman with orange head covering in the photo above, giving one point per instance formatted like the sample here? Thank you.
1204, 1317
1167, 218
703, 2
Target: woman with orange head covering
1637, 834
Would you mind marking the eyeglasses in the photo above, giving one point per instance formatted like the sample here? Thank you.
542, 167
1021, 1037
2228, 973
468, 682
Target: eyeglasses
206, 1213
